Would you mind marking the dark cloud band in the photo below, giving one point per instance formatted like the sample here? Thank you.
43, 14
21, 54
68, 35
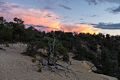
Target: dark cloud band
107, 25
99, 1
113, 10
65, 7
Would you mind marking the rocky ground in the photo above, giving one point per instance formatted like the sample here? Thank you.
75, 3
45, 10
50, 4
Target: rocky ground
14, 66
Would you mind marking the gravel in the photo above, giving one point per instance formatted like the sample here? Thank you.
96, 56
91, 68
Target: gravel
14, 66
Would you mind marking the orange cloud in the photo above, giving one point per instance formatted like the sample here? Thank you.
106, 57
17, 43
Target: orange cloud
80, 28
44, 18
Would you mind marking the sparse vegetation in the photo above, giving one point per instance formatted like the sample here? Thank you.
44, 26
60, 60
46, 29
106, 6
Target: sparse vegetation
102, 50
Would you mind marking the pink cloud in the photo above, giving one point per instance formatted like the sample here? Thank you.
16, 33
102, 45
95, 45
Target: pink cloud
42, 17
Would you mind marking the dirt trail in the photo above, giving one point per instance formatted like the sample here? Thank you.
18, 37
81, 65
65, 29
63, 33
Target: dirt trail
14, 66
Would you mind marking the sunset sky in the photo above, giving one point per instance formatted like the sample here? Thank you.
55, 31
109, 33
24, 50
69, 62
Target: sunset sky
91, 16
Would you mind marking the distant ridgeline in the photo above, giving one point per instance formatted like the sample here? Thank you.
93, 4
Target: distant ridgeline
102, 50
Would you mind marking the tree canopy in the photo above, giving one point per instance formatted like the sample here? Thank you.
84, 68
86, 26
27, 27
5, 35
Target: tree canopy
102, 50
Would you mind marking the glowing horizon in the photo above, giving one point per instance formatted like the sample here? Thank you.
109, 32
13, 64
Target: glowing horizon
57, 16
